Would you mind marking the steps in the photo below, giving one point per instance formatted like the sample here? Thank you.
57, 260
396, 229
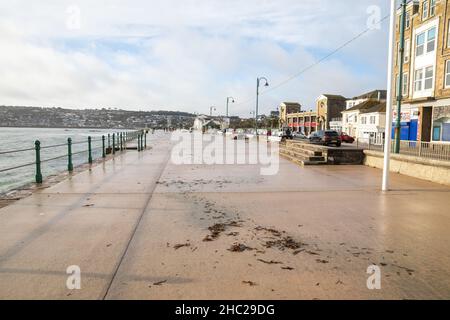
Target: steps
302, 153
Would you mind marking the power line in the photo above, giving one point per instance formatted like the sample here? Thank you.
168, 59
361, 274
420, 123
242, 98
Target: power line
317, 62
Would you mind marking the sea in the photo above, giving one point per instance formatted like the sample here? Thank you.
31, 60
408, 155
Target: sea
24, 138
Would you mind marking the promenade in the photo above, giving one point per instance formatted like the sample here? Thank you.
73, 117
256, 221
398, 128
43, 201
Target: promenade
141, 227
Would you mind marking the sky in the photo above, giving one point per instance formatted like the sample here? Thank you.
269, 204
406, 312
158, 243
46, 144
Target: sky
188, 55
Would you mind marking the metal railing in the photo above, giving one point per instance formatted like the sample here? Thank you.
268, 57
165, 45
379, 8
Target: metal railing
428, 150
110, 144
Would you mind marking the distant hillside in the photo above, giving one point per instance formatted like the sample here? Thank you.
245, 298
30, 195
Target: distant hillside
92, 118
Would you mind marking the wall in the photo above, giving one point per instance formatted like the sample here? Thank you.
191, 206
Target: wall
425, 169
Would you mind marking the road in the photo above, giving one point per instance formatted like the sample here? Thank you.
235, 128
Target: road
142, 227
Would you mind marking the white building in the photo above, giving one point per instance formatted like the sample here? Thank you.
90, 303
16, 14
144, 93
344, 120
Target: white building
365, 120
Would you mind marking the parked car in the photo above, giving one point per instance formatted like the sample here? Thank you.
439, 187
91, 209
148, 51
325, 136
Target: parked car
346, 138
326, 138
299, 136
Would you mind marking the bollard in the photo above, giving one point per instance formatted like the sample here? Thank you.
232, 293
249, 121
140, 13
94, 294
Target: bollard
103, 147
37, 147
114, 143
69, 155
90, 150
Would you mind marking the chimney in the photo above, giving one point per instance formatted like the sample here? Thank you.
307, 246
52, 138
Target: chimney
379, 95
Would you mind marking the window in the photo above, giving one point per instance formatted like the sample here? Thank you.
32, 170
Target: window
397, 61
405, 84
431, 39
446, 132
420, 41
448, 34
447, 74
428, 37
407, 49
363, 120
437, 133
429, 72
432, 8
372, 119
425, 10
418, 80
408, 21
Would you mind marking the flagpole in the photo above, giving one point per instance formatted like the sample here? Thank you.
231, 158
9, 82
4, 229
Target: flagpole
388, 126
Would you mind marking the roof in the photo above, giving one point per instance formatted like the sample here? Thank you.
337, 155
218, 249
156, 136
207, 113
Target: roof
377, 108
366, 105
372, 95
334, 96
287, 104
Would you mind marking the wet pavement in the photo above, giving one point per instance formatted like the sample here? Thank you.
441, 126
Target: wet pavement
141, 227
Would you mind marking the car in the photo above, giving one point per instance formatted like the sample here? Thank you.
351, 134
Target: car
346, 138
326, 138
299, 136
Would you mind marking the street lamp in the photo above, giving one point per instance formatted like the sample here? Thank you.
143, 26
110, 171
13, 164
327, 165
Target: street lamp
228, 101
211, 109
258, 84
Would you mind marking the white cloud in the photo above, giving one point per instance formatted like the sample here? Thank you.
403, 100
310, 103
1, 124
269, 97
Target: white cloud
184, 55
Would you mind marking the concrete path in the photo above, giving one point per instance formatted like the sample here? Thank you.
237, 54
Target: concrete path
140, 227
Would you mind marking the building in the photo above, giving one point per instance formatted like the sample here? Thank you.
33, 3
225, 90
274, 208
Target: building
425, 112
379, 95
366, 120
305, 122
357, 105
329, 108
204, 123
286, 108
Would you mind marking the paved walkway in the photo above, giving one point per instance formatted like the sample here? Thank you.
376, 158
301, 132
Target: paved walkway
140, 227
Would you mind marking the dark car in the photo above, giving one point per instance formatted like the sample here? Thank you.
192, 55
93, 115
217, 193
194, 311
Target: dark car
346, 138
326, 138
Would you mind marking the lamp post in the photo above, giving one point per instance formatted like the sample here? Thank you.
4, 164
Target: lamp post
211, 109
228, 101
258, 83
400, 78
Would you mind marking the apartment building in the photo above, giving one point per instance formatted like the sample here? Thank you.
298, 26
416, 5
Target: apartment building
425, 112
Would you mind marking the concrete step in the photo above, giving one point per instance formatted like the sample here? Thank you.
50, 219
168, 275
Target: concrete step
303, 161
305, 150
302, 156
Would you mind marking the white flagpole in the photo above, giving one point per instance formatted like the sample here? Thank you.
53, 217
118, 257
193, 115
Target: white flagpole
388, 133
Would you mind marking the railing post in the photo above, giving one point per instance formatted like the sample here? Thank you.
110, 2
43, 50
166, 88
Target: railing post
114, 143
109, 140
90, 150
103, 147
37, 147
139, 142
420, 148
121, 142
145, 139
69, 155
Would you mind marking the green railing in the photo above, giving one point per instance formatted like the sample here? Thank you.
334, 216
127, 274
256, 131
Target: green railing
110, 144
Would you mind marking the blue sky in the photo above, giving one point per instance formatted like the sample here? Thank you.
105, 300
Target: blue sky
186, 55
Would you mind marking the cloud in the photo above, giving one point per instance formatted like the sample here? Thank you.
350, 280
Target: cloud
185, 55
